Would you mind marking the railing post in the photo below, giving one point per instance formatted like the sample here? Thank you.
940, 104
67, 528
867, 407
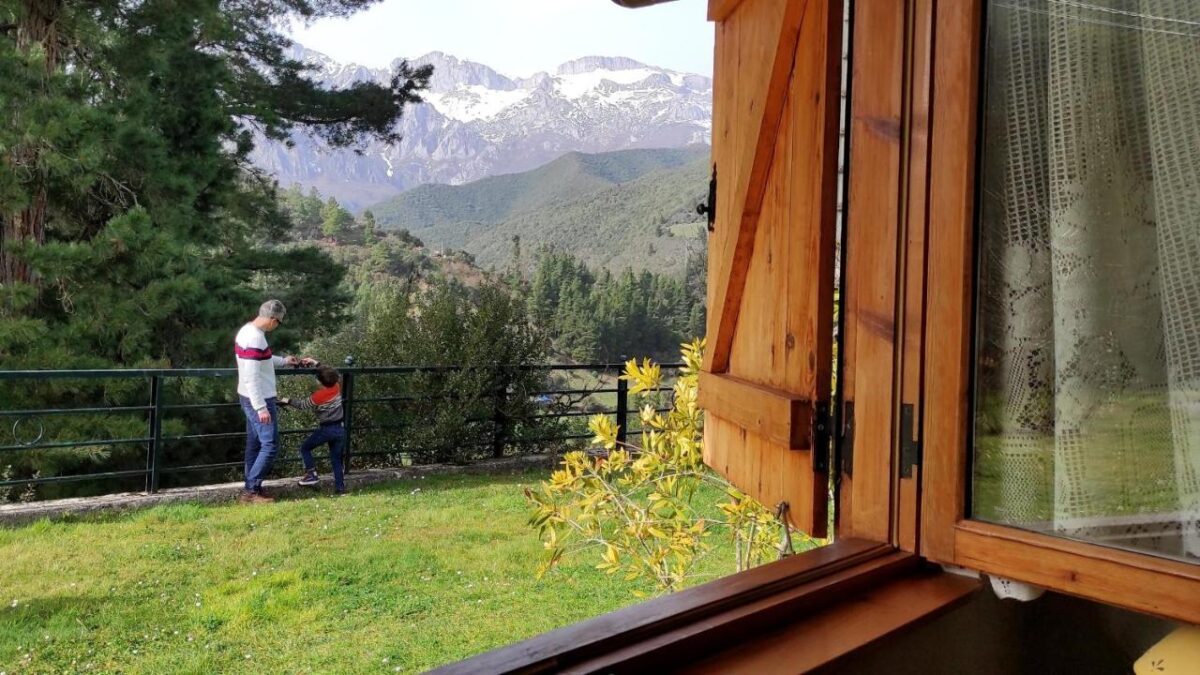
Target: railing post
154, 451
622, 409
348, 413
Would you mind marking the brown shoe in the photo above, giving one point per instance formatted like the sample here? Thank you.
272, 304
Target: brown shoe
248, 497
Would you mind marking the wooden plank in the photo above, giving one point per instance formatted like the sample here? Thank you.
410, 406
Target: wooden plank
949, 274
764, 122
669, 652
1140, 582
743, 49
872, 275
569, 646
817, 639
719, 10
919, 82
784, 335
779, 417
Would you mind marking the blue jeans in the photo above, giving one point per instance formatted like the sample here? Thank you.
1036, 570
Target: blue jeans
335, 436
262, 443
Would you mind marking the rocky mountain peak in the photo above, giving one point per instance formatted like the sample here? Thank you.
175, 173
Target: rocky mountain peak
590, 64
476, 122
449, 72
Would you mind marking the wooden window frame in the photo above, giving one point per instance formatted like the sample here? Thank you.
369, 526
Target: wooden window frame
912, 273
871, 576
1140, 582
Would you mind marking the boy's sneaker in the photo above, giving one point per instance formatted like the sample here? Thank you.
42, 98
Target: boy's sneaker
310, 479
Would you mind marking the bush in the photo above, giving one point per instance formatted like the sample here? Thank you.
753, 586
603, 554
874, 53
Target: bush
449, 414
639, 507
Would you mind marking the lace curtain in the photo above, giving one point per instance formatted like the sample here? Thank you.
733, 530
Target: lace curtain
1088, 399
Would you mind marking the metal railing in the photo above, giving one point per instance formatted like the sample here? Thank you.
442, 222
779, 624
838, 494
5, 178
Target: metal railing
172, 419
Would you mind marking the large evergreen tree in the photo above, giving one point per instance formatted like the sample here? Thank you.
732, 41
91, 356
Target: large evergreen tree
132, 227
133, 230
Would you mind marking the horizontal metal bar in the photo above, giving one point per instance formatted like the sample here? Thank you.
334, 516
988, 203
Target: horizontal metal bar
227, 465
74, 479
127, 373
233, 434
573, 391
574, 413
530, 441
201, 467
73, 444
200, 406
76, 411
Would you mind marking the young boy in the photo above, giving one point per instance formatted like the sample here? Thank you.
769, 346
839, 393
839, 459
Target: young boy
327, 403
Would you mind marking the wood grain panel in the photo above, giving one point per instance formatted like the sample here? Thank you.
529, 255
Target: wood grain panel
820, 638
779, 417
915, 213
872, 242
949, 275
1144, 583
783, 337
761, 117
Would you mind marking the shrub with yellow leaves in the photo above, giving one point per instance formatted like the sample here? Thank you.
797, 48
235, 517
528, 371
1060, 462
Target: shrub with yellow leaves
639, 506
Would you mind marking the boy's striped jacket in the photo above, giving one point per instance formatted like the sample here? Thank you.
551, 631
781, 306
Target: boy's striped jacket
326, 401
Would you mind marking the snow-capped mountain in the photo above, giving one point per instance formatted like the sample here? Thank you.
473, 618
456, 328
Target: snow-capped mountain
477, 122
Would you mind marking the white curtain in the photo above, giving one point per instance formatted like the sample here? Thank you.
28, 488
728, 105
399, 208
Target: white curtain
1089, 381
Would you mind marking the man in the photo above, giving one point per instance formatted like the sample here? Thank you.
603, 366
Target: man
256, 391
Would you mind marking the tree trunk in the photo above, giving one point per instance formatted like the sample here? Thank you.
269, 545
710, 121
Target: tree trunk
37, 30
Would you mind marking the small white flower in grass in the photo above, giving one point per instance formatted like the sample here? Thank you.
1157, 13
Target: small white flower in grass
386, 659
197, 604
247, 657
14, 602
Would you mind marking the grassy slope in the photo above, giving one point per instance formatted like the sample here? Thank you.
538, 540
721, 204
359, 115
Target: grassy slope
386, 579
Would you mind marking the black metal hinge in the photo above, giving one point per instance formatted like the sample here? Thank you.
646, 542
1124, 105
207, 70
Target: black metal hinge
710, 209
910, 447
846, 443
821, 426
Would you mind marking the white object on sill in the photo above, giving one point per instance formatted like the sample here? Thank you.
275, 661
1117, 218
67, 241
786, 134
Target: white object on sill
960, 571
1015, 590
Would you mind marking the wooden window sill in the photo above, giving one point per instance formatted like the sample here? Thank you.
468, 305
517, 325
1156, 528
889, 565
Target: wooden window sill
821, 638
1144, 583
638, 626
682, 628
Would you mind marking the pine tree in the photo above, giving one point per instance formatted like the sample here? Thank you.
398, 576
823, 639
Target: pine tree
335, 219
368, 225
133, 229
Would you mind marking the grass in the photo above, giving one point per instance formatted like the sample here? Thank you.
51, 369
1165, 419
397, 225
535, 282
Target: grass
1126, 467
403, 578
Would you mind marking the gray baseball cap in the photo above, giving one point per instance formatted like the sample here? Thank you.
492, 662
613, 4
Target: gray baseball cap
272, 309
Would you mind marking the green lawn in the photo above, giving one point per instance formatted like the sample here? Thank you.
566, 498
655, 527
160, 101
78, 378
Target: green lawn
397, 578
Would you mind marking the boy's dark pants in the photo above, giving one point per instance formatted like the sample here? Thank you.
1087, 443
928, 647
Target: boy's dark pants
335, 435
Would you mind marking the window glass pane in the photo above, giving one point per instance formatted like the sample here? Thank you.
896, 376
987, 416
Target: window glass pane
1087, 419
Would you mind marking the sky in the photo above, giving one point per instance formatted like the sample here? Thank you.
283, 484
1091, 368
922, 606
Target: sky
518, 37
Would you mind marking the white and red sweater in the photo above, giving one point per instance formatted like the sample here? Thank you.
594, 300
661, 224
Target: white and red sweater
256, 365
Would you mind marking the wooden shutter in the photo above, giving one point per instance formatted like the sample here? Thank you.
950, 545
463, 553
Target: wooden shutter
771, 254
